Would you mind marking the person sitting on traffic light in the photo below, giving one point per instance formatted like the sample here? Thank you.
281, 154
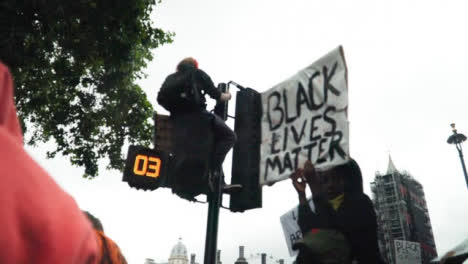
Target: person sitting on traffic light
182, 93
343, 227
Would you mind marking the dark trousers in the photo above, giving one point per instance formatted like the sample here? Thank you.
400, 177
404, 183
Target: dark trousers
224, 139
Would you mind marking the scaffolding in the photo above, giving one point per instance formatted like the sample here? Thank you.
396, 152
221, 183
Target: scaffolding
402, 213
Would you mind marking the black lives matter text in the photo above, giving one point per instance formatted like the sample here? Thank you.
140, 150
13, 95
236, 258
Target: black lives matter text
294, 128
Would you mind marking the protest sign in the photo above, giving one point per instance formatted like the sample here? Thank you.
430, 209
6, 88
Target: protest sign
460, 251
305, 118
407, 252
291, 230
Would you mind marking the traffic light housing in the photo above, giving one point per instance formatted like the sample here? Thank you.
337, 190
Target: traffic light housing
246, 154
192, 146
181, 157
145, 168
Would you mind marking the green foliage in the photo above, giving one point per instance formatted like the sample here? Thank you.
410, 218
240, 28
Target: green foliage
75, 64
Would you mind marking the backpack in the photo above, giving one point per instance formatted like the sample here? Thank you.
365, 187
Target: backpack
180, 93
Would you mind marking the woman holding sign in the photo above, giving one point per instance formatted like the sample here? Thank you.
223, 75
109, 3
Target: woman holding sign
343, 227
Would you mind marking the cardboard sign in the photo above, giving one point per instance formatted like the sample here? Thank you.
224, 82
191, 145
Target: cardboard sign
291, 230
305, 118
407, 252
459, 250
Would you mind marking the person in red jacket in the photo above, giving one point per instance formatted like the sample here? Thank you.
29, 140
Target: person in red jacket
40, 222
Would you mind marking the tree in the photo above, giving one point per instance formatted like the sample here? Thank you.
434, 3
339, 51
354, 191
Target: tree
75, 66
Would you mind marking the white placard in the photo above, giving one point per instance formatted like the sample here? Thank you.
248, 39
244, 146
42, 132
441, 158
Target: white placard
460, 249
407, 252
292, 232
305, 118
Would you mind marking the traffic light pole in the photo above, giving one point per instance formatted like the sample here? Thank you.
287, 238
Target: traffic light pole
215, 197
212, 223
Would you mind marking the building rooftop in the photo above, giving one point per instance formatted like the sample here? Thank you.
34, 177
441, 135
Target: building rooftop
391, 167
179, 251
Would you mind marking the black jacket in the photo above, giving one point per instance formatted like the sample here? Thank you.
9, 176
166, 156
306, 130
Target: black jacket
169, 95
355, 218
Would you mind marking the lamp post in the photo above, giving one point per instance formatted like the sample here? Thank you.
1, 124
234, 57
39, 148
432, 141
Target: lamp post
457, 139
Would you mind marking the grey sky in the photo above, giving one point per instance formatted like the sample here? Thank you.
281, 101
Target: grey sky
407, 64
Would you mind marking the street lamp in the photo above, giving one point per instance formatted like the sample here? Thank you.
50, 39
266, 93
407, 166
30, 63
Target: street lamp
457, 139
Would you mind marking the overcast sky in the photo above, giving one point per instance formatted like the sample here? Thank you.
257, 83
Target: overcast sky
407, 63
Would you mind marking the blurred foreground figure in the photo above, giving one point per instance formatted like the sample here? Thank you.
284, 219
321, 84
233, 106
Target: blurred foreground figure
109, 251
343, 227
40, 222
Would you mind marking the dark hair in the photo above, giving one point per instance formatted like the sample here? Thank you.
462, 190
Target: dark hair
355, 179
187, 63
351, 173
94, 221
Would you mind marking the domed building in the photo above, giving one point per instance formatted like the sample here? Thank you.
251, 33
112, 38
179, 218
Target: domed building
178, 254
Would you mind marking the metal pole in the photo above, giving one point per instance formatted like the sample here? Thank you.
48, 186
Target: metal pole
462, 160
212, 222
215, 197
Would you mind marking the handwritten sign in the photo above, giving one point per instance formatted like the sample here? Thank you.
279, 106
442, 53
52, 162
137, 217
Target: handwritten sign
407, 252
460, 249
305, 118
291, 230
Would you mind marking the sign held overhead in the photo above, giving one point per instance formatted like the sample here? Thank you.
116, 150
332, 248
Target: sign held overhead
305, 118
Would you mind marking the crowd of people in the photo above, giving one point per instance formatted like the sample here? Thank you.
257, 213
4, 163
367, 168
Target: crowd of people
41, 222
